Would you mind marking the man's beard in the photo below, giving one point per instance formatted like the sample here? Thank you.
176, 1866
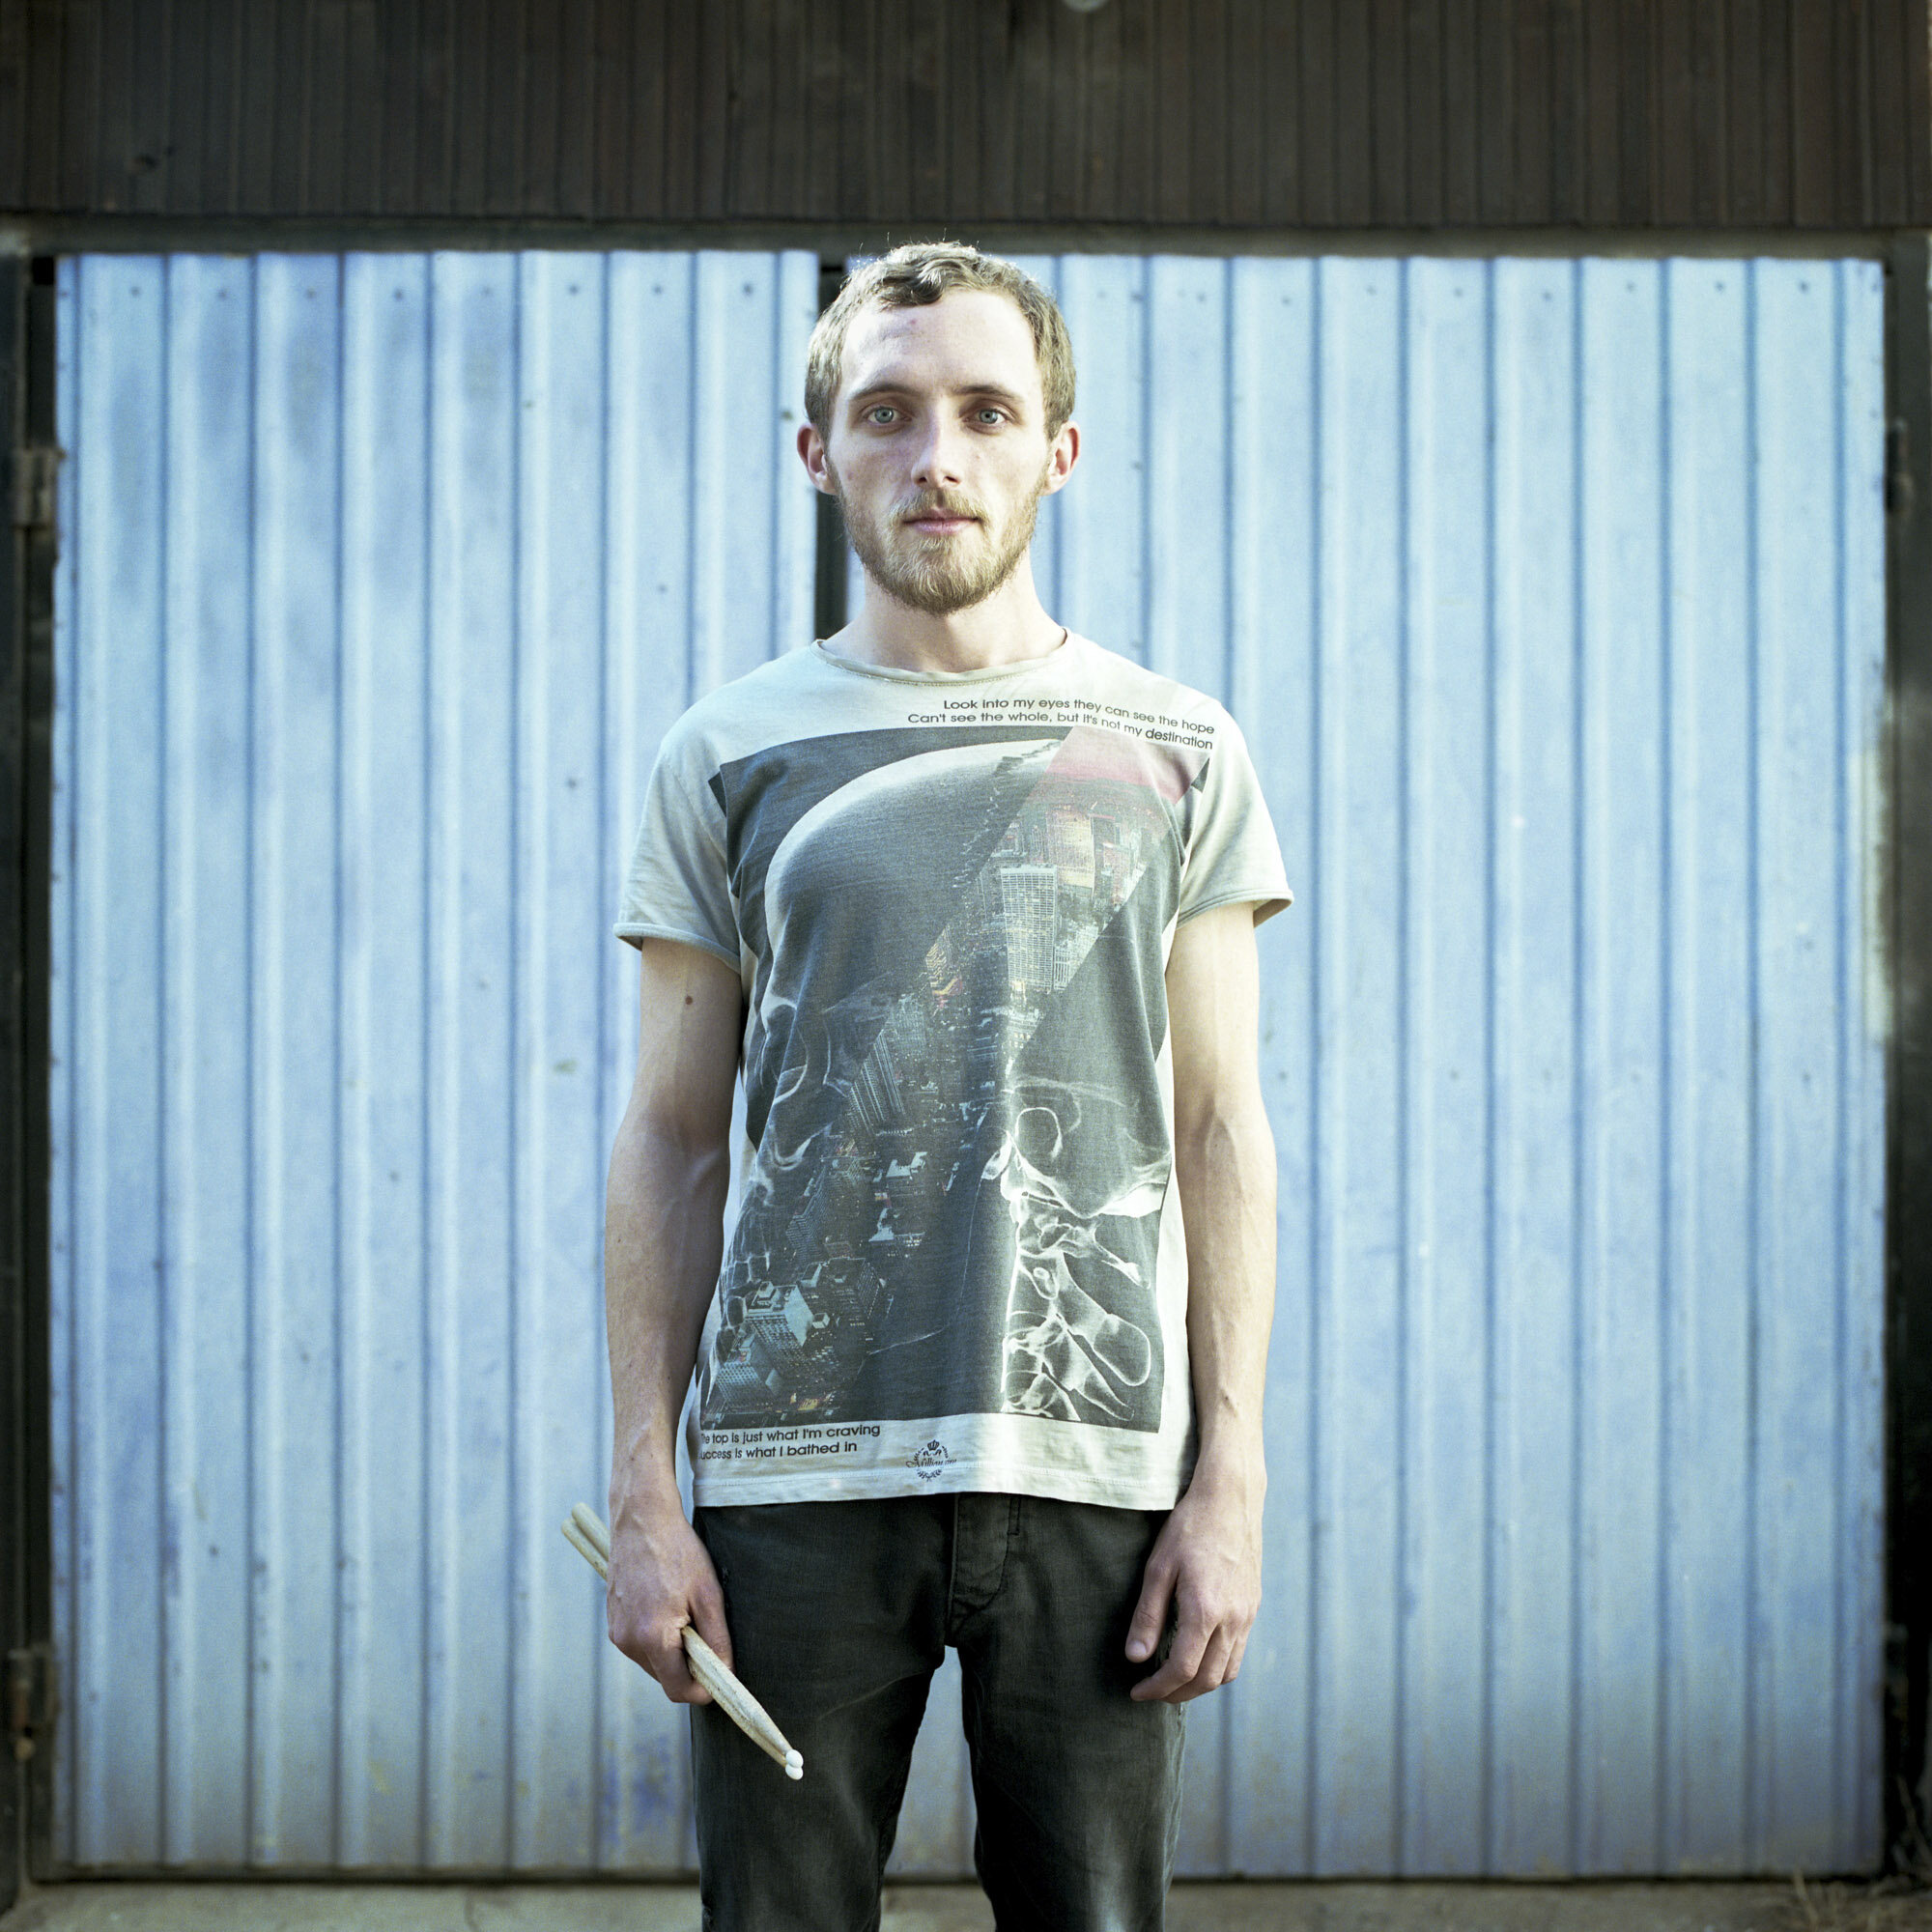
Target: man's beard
930, 574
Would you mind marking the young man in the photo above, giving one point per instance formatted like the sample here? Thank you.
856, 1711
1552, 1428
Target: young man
971, 903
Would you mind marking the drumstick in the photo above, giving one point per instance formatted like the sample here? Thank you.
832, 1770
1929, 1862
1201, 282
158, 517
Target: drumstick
585, 1534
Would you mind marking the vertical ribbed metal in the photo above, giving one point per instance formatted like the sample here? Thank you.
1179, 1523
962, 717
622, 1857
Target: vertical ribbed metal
381, 575
1550, 596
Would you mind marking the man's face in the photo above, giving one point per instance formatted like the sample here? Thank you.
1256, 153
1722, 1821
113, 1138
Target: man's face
938, 451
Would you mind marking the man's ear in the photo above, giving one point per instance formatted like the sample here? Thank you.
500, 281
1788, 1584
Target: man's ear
1063, 456
812, 453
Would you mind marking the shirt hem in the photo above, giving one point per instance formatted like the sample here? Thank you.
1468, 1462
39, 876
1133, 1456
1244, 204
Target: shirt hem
880, 1485
633, 931
1267, 900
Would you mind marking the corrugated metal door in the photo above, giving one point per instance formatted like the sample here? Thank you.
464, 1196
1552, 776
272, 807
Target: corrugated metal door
1550, 595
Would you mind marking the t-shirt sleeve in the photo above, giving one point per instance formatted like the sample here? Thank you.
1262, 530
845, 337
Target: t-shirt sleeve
677, 886
1233, 856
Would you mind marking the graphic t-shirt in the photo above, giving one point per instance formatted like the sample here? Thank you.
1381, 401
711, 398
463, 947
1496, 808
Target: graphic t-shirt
957, 1260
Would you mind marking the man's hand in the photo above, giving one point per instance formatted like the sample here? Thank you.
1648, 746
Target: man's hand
662, 1579
1207, 1569
670, 1171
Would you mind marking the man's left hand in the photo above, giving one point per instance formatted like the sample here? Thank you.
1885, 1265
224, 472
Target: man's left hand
1207, 1570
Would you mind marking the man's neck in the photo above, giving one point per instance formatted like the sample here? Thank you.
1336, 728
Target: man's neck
1008, 627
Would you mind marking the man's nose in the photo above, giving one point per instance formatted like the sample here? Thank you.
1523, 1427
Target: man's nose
936, 459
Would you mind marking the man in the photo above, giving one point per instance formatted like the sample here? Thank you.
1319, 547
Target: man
971, 903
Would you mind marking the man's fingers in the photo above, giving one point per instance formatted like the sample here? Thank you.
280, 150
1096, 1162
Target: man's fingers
671, 1667
1191, 1639
1199, 1663
1150, 1618
707, 1617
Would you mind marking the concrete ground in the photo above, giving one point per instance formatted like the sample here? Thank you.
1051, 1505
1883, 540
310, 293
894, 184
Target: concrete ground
139, 1907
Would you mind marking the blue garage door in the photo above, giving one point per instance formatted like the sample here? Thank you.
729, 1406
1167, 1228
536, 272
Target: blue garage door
1550, 595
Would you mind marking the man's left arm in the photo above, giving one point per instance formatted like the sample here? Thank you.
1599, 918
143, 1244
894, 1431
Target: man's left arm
1205, 1567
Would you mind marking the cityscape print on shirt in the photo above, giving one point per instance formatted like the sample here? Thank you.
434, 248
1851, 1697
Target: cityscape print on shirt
960, 1160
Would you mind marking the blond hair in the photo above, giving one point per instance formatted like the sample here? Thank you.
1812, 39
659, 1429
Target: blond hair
918, 273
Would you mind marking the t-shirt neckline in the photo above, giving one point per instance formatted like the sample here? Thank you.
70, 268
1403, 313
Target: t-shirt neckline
897, 674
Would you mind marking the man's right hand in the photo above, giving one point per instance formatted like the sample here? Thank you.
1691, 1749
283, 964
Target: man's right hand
662, 1581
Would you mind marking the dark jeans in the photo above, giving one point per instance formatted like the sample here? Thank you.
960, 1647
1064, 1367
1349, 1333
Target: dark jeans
840, 1612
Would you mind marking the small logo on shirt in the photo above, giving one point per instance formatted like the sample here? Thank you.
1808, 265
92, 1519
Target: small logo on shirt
930, 1459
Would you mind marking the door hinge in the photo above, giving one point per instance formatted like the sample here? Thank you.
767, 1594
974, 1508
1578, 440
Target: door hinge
29, 1699
35, 469
1899, 489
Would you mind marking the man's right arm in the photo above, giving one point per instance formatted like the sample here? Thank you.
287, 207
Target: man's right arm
663, 1235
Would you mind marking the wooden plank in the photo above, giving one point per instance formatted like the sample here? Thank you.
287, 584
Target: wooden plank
1030, 107
1674, 39
506, 32
1775, 90
542, 78
1405, 138
194, 117
329, 141
1247, 111
1543, 104
610, 134
1315, 111
1710, 149
667, 66
287, 81
1814, 133
1462, 114
1208, 158
791, 126
1887, 83
855, 180
1502, 110
753, 86
1909, 136
362, 122
1635, 85
1744, 156
1067, 133
1355, 110
1134, 157
1599, 200
576, 107
110, 73
1279, 69
1852, 197
1568, 106
149, 101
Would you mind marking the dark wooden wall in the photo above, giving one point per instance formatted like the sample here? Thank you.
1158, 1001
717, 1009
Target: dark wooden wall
1800, 114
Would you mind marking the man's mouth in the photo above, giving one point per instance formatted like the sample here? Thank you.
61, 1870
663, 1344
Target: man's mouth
938, 519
